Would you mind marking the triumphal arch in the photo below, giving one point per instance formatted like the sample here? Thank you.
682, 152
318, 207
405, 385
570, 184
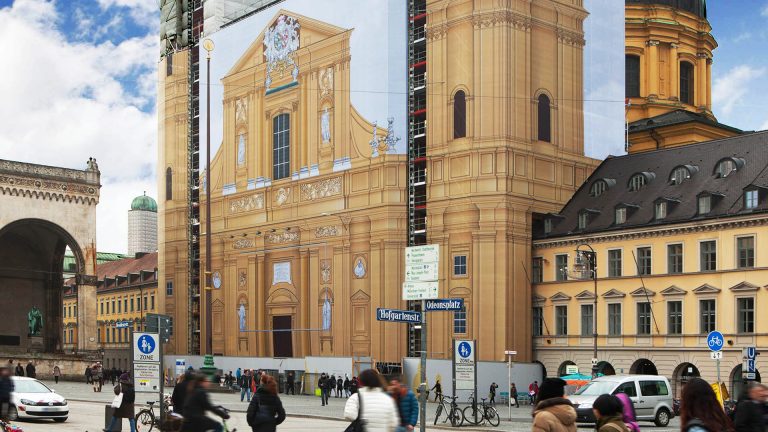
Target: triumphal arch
43, 211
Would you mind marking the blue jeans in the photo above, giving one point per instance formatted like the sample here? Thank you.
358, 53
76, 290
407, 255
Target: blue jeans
245, 391
131, 422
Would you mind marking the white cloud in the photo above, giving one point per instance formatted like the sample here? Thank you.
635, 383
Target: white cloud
764, 11
144, 12
729, 89
66, 101
741, 37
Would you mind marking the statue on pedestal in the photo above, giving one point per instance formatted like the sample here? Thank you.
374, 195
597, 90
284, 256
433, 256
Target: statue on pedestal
35, 321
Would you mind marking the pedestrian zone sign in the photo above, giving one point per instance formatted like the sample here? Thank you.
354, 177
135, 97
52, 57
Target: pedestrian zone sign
464, 364
146, 347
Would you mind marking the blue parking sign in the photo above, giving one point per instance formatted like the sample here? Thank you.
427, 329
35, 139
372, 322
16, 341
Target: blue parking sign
715, 340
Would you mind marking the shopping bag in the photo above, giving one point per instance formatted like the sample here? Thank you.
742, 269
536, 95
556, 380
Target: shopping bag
117, 401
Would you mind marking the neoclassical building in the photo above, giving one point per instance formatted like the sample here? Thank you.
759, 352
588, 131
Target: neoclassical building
310, 211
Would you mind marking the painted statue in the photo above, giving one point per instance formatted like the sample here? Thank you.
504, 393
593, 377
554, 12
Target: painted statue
35, 320
241, 314
241, 150
326, 313
325, 125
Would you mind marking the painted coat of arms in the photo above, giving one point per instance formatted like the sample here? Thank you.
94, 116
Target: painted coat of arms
281, 40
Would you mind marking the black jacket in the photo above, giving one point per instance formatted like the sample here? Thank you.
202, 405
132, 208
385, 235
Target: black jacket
749, 416
265, 411
179, 396
6, 388
31, 370
195, 407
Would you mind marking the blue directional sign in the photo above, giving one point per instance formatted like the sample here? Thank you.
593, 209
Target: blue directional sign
444, 305
398, 315
122, 324
715, 340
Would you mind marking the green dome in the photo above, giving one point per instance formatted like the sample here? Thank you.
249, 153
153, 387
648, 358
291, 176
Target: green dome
144, 202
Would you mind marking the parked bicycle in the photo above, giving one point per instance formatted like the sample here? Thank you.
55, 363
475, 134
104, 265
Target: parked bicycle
451, 411
474, 414
146, 417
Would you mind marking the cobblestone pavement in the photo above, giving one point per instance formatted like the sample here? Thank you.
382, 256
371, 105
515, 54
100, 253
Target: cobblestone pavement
303, 412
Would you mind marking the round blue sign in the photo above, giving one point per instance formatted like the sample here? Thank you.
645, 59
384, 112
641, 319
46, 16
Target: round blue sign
146, 344
715, 341
465, 349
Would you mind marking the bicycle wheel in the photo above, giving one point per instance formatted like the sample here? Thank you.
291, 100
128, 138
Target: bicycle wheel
457, 418
439, 411
471, 415
492, 416
145, 418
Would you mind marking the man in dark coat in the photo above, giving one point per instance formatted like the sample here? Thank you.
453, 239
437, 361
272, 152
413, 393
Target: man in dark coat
179, 396
749, 411
321, 384
6, 388
196, 406
19, 370
265, 411
31, 370
290, 386
126, 409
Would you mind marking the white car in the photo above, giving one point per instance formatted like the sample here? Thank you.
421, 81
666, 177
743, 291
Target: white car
33, 399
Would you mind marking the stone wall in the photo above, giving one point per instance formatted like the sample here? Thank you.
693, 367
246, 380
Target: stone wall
72, 366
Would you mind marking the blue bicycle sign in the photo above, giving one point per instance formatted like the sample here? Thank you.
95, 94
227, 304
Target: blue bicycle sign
715, 341
465, 349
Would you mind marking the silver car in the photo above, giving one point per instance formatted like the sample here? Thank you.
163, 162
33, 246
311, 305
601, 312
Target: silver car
651, 396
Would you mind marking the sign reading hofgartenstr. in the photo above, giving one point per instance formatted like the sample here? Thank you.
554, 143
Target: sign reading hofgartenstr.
444, 305
464, 364
398, 315
421, 272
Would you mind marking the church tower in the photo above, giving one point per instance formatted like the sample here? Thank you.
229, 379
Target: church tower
668, 70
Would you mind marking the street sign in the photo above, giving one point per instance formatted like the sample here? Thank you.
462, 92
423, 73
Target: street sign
181, 366
444, 305
748, 366
122, 324
146, 347
421, 272
750, 352
420, 290
716, 355
157, 323
750, 375
422, 254
398, 315
510, 352
146, 377
464, 364
715, 340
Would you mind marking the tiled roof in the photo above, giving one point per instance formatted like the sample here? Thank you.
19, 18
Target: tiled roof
101, 257
674, 118
123, 267
748, 151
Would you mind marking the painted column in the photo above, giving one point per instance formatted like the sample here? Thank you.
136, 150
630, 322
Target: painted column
674, 72
701, 80
304, 301
708, 85
653, 69
260, 306
86, 303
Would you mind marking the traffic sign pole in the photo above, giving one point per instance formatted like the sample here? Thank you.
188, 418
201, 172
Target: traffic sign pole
715, 343
423, 408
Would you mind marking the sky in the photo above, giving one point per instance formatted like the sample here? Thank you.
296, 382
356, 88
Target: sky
78, 80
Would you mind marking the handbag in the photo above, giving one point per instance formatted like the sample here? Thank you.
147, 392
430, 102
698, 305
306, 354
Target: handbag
117, 401
357, 425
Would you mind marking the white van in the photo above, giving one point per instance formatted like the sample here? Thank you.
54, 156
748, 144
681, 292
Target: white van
650, 394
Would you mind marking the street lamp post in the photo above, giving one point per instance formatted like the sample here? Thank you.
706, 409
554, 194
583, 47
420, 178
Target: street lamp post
208, 45
586, 261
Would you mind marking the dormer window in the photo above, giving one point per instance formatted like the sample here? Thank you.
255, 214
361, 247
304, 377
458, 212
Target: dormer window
547, 226
621, 215
598, 188
583, 219
660, 210
639, 180
705, 204
728, 165
682, 173
751, 199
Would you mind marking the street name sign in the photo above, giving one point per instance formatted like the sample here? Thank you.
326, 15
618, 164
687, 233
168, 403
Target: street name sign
420, 290
464, 364
396, 315
444, 305
122, 324
715, 340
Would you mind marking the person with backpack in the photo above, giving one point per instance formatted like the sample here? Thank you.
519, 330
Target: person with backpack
700, 411
265, 411
609, 414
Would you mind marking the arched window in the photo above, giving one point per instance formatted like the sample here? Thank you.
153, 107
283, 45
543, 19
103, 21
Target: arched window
598, 188
639, 180
168, 184
686, 83
281, 146
679, 175
459, 115
544, 119
632, 75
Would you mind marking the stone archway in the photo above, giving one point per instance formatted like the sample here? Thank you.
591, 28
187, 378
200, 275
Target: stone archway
562, 369
683, 372
643, 367
737, 382
605, 368
43, 211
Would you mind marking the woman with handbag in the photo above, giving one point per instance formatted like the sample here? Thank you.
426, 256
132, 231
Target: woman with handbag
265, 411
123, 403
371, 409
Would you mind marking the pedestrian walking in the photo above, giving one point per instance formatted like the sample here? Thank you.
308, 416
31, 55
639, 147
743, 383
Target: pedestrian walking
88, 375
265, 410
290, 386
372, 405
339, 386
609, 414
438, 388
126, 408
179, 395
354, 385
321, 384
407, 405
492, 393
6, 389
332, 386
750, 409
56, 373
197, 404
533, 391
19, 370
628, 412
238, 374
31, 372
347, 386
700, 411
513, 395
553, 413
245, 385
